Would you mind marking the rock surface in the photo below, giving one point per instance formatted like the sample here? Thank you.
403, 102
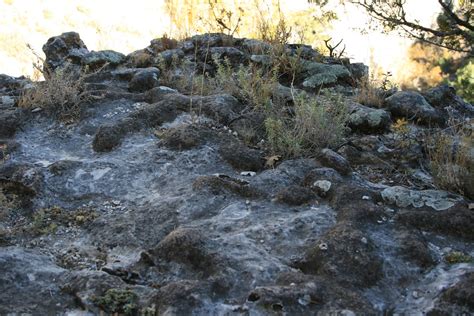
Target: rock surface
162, 202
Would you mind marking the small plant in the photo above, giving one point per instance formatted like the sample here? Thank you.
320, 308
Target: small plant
457, 257
250, 84
61, 95
372, 92
117, 301
3, 153
317, 123
47, 220
449, 155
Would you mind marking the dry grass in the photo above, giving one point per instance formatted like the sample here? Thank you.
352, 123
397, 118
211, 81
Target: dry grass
317, 123
372, 91
370, 94
450, 155
62, 95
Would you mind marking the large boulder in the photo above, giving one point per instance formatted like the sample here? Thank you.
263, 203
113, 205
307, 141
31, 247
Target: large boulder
67, 48
444, 97
413, 106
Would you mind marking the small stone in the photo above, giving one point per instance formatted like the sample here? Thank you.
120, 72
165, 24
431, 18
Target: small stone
324, 185
305, 300
323, 246
366, 197
364, 240
248, 173
35, 110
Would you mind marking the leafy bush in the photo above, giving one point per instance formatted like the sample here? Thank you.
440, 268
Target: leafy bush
317, 123
464, 82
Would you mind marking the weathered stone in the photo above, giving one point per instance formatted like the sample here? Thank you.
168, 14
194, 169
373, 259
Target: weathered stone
319, 74
456, 221
63, 48
333, 160
368, 120
241, 157
110, 136
294, 195
412, 106
95, 60
29, 283
345, 254
403, 197
144, 80
11, 119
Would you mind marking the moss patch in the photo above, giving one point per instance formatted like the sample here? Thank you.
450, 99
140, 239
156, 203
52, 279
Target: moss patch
117, 301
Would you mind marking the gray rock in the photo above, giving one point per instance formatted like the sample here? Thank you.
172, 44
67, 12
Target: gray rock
264, 60
29, 283
11, 119
333, 160
212, 40
144, 80
95, 60
444, 97
171, 55
403, 197
231, 54
413, 106
358, 70
368, 120
257, 47
318, 74
59, 48
156, 94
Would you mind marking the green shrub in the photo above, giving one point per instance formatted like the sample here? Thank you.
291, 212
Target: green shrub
457, 257
248, 83
318, 122
464, 82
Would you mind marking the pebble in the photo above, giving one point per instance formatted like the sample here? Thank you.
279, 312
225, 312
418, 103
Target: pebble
248, 173
366, 197
323, 246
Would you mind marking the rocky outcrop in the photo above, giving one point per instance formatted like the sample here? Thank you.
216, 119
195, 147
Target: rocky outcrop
162, 201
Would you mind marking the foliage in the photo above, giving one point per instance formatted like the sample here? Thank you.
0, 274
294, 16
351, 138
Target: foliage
47, 220
317, 123
464, 82
249, 83
117, 301
454, 29
457, 257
